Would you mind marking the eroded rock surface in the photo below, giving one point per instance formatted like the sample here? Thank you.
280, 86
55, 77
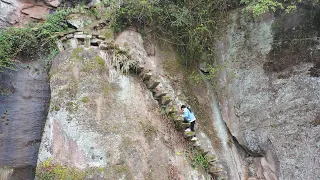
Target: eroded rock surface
18, 12
100, 117
24, 103
271, 91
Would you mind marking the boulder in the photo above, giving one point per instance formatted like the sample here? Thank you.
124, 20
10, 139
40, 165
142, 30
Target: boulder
79, 20
36, 11
53, 3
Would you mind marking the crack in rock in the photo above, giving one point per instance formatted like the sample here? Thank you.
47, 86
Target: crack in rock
6, 2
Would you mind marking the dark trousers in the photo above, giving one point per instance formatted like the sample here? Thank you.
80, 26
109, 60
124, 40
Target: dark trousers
191, 125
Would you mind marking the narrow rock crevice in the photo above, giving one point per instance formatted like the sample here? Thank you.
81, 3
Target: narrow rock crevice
242, 147
6, 2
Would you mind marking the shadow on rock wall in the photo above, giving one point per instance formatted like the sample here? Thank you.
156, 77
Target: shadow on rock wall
24, 103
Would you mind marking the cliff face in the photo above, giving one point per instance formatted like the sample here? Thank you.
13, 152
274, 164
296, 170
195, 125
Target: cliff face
270, 90
101, 118
19, 12
110, 121
24, 103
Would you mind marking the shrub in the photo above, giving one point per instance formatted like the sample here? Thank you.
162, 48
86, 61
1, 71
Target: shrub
189, 25
49, 170
199, 159
34, 39
85, 99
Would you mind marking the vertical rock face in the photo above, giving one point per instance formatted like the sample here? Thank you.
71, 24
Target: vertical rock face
24, 103
102, 118
271, 91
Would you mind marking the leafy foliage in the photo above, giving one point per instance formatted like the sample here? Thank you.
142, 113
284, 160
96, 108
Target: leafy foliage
199, 159
262, 6
34, 38
47, 170
258, 7
13, 41
190, 25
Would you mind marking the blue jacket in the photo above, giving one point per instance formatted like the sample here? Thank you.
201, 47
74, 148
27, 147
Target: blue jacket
189, 116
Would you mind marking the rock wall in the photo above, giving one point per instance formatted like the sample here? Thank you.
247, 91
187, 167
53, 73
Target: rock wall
102, 118
19, 12
269, 92
24, 103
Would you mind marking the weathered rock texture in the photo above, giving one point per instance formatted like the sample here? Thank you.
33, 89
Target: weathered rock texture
18, 12
24, 103
270, 91
100, 117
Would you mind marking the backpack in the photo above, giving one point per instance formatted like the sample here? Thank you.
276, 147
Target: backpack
189, 108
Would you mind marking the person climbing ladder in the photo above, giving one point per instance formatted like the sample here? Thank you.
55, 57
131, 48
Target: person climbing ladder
189, 117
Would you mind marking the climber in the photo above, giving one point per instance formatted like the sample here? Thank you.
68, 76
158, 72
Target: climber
189, 117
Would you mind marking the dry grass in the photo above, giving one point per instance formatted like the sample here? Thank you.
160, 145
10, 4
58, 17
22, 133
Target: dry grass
5, 173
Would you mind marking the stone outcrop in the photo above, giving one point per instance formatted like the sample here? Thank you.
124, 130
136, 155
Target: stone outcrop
78, 132
17, 12
268, 93
79, 20
160, 91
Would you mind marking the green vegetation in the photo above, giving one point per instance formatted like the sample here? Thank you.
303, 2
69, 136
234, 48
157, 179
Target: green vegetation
47, 170
88, 62
34, 39
189, 25
76, 53
72, 107
31, 38
258, 7
108, 34
230, 142
199, 159
55, 108
99, 61
85, 99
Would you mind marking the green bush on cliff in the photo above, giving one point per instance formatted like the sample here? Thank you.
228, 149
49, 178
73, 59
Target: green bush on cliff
13, 41
258, 7
190, 25
199, 159
48, 170
34, 38
29, 40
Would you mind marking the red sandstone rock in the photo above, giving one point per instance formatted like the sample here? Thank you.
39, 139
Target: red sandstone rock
36, 12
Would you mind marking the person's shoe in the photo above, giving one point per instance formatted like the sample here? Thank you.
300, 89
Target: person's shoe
187, 130
194, 139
